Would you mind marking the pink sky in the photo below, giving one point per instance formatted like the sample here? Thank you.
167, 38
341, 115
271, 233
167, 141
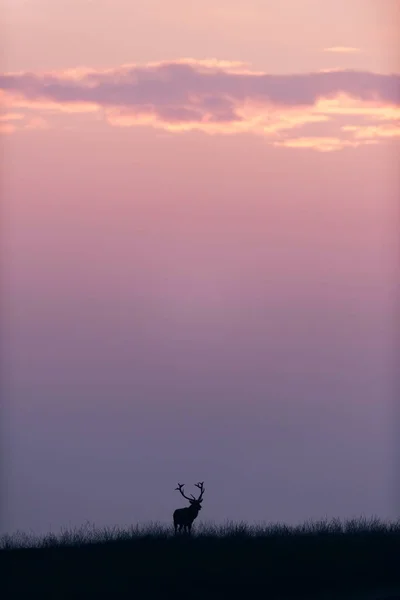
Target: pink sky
200, 230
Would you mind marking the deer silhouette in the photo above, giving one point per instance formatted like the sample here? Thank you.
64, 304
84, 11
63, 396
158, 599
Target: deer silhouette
184, 517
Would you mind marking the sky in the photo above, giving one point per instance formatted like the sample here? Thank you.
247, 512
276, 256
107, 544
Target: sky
199, 277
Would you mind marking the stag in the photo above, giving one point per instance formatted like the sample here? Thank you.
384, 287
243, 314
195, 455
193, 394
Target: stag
184, 517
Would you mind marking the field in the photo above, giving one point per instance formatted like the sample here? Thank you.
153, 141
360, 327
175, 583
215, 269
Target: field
353, 559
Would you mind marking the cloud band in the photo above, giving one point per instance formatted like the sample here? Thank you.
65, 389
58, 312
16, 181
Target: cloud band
209, 95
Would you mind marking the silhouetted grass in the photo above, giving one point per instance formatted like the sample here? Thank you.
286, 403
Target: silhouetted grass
227, 561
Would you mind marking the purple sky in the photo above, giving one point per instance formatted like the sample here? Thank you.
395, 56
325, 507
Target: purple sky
200, 273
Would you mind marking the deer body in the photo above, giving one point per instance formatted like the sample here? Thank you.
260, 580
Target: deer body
184, 517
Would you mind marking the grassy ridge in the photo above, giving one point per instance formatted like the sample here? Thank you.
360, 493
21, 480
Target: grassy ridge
234, 560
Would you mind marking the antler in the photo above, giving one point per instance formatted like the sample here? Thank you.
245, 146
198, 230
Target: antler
180, 488
200, 485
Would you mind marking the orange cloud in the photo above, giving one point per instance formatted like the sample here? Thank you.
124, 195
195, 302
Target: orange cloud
11, 117
373, 131
321, 144
342, 49
37, 123
12, 122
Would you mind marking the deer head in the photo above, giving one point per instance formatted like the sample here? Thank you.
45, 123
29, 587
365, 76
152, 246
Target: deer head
194, 502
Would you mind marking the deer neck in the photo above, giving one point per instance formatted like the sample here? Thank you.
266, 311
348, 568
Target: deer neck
194, 510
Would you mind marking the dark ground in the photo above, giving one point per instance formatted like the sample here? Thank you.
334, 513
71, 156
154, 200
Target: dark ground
317, 561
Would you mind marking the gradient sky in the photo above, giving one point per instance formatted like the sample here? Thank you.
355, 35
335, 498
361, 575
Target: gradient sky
200, 244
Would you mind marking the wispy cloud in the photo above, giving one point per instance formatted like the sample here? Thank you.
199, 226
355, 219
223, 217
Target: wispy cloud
7, 117
37, 123
13, 121
7, 128
374, 131
210, 95
342, 49
321, 144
